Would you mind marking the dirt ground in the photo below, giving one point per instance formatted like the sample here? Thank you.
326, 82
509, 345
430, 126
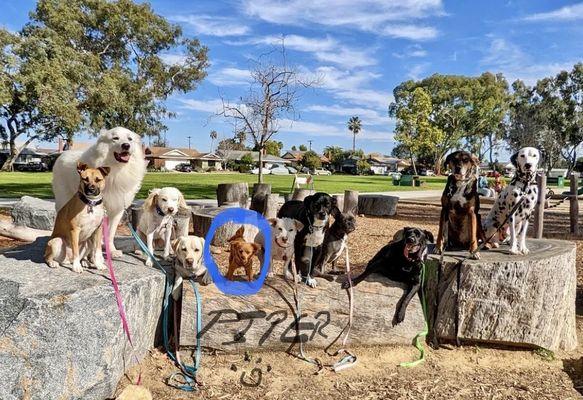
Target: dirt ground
467, 372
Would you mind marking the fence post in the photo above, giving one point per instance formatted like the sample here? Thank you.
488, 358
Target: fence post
539, 211
574, 208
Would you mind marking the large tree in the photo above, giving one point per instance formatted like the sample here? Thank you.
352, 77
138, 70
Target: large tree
354, 126
461, 108
89, 64
273, 93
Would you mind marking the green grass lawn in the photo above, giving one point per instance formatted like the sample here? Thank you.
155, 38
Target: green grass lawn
196, 185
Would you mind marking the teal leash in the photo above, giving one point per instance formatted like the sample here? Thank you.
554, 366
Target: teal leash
187, 373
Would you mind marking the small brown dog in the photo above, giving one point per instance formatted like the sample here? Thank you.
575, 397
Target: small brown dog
241, 255
76, 232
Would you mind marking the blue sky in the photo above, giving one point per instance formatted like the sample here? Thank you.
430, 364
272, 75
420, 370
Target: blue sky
361, 50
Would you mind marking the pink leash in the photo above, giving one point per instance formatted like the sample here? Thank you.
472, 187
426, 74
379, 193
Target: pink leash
118, 299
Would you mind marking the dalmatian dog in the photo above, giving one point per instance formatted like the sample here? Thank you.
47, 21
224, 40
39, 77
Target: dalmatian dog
523, 185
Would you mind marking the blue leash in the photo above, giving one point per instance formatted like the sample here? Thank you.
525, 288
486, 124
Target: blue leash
187, 373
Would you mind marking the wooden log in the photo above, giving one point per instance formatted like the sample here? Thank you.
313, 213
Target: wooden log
202, 220
22, 233
539, 211
259, 197
574, 204
301, 194
377, 204
232, 192
266, 320
523, 301
350, 202
271, 206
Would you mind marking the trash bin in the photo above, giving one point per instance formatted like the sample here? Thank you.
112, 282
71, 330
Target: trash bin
416, 181
561, 181
396, 179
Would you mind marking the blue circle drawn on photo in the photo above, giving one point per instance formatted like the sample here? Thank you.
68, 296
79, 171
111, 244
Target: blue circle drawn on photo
240, 216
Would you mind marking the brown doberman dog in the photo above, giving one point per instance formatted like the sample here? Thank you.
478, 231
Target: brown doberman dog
460, 225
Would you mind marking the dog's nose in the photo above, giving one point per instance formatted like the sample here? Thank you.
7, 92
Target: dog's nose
125, 146
410, 240
284, 240
190, 260
170, 209
322, 215
527, 165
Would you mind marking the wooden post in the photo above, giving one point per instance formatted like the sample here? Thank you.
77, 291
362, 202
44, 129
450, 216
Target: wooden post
232, 192
301, 194
574, 209
351, 201
259, 197
539, 211
271, 205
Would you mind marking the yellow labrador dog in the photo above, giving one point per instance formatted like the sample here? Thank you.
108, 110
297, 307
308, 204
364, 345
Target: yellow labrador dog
118, 149
189, 262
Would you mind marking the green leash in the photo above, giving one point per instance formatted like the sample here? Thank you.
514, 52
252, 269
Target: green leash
418, 343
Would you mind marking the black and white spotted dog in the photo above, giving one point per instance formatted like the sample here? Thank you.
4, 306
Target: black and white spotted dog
523, 184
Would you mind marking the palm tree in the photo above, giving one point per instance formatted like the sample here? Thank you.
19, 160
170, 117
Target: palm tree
214, 135
354, 126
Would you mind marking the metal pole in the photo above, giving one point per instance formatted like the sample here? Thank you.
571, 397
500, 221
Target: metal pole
310, 142
188, 142
574, 208
539, 211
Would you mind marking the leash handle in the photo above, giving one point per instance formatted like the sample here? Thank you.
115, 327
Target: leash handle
118, 298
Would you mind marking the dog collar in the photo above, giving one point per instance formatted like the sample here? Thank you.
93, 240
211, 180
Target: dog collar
159, 211
90, 202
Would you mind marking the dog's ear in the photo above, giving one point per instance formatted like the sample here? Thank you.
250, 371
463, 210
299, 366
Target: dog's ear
104, 171
272, 221
238, 234
448, 160
150, 202
256, 247
398, 236
429, 236
475, 160
308, 201
298, 224
513, 159
182, 206
175, 244
81, 166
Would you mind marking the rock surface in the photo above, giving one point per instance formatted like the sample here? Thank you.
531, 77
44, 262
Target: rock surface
377, 204
525, 301
266, 320
34, 213
60, 332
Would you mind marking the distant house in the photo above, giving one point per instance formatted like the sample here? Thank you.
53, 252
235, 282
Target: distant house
169, 157
382, 165
208, 161
268, 159
295, 157
27, 155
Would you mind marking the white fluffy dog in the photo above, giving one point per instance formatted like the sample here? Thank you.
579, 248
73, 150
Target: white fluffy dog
157, 219
119, 149
189, 262
523, 185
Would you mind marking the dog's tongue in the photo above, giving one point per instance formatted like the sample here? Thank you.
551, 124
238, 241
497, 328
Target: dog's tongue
123, 157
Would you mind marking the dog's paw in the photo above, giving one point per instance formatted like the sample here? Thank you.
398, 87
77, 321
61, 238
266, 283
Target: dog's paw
514, 251
77, 267
311, 282
53, 264
115, 253
290, 277
100, 265
205, 279
398, 318
149, 262
495, 245
475, 256
525, 251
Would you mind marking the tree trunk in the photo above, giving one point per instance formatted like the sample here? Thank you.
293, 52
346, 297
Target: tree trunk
259, 197
413, 164
353, 143
506, 299
350, 202
260, 177
15, 151
232, 192
301, 194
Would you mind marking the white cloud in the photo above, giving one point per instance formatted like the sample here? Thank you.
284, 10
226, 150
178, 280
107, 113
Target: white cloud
567, 13
414, 51
172, 59
417, 71
367, 115
508, 58
230, 77
213, 25
338, 130
412, 32
368, 15
208, 106
326, 49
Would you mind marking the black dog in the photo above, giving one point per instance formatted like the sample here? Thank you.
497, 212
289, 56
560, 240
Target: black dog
335, 242
314, 212
401, 261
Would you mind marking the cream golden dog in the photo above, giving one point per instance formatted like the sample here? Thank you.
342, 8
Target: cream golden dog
120, 150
